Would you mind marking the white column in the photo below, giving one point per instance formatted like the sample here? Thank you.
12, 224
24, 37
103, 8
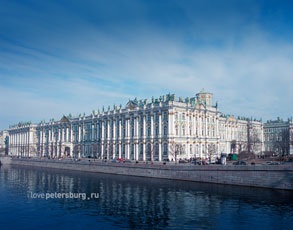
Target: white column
108, 131
136, 127
43, 142
103, 131
120, 134
114, 130
119, 153
15, 143
40, 141
217, 127
160, 151
79, 133
193, 125
27, 144
160, 125
22, 143
152, 126
136, 151
143, 151
187, 149
206, 125
71, 133
102, 139
18, 144
58, 142
59, 135
127, 150
102, 149
18, 150
187, 129
10, 143
199, 128
114, 150
144, 126
128, 128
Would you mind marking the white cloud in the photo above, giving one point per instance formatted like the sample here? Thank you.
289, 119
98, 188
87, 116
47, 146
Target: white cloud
89, 66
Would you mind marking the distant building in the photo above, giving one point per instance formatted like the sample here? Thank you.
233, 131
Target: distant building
22, 140
278, 136
241, 134
165, 128
4, 142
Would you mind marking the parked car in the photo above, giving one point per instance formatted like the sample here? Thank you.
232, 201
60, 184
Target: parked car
240, 163
273, 163
127, 161
120, 160
183, 161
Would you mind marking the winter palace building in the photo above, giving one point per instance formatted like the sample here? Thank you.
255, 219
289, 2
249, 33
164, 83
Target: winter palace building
163, 128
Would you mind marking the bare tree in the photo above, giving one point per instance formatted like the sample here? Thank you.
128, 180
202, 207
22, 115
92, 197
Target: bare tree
172, 150
33, 151
253, 140
281, 144
175, 150
211, 151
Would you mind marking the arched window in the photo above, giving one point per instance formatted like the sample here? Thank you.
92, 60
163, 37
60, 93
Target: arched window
156, 153
157, 130
165, 149
165, 130
149, 130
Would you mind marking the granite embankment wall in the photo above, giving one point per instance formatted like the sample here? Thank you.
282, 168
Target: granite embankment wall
268, 176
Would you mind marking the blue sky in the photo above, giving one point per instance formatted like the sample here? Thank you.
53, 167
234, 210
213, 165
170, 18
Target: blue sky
62, 56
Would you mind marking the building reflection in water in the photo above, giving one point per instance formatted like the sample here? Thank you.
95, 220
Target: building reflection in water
139, 202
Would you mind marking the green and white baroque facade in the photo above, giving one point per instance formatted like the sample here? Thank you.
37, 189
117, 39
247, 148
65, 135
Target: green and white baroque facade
163, 128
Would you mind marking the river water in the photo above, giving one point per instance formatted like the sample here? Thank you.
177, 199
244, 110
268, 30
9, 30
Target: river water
38, 198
